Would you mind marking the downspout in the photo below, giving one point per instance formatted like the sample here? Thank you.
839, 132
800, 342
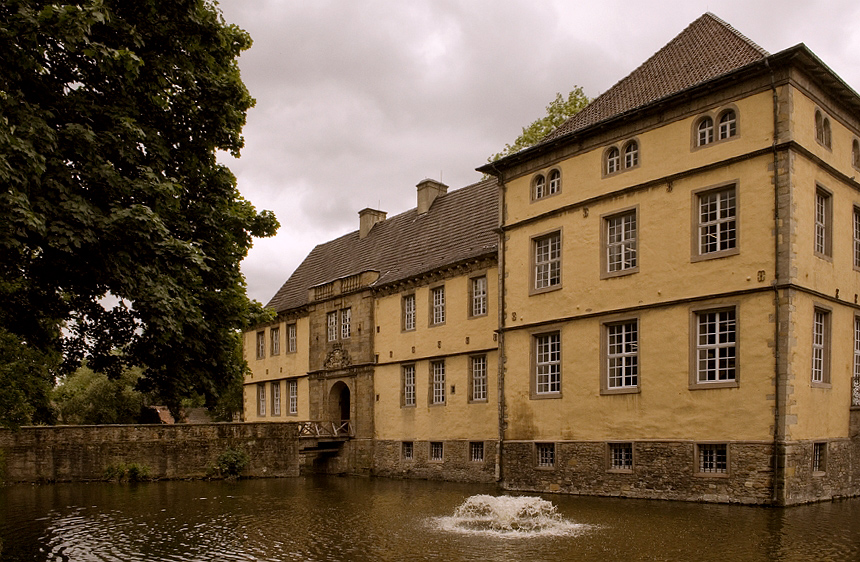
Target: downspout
778, 455
501, 323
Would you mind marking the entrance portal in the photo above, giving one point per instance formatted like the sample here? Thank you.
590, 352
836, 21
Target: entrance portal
338, 400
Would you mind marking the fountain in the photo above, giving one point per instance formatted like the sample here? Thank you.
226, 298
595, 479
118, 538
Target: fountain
509, 516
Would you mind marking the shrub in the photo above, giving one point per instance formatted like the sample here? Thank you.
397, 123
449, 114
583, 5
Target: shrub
128, 472
230, 463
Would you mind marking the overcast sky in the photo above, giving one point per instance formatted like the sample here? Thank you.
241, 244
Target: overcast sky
358, 101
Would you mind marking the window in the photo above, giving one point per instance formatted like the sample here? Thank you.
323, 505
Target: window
276, 398
479, 296
855, 384
823, 214
408, 450
261, 399
728, 125
275, 335
621, 243
261, 345
540, 186
331, 321
409, 385
622, 355
291, 338
822, 129
819, 457
345, 323
857, 237
855, 154
437, 371
547, 264
546, 455
476, 451
409, 312
717, 220
705, 132
821, 346
437, 451
554, 182
438, 305
621, 456
631, 155
716, 341
479, 378
293, 391
613, 160
713, 458
543, 187
547, 363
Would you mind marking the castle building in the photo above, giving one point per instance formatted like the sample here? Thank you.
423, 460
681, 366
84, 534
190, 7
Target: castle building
658, 300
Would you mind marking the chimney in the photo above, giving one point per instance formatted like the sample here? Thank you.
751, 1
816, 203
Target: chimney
428, 191
366, 219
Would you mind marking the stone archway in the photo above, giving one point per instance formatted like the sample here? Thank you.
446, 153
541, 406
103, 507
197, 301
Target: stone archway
339, 402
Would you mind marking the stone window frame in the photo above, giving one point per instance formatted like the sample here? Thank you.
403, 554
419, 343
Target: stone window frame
819, 458
823, 130
261, 399
821, 341
697, 225
407, 451
614, 447
293, 397
408, 317
856, 237
292, 337
711, 123
822, 240
545, 455
700, 460
438, 314
609, 322
616, 158
727, 128
695, 313
261, 344
346, 323
276, 397
407, 389
630, 152
433, 448
275, 340
534, 335
331, 325
475, 447
545, 184
534, 242
474, 296
605, 221
437, 395
472, 379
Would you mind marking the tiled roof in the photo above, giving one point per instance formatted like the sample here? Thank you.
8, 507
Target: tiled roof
706, 49
459, 225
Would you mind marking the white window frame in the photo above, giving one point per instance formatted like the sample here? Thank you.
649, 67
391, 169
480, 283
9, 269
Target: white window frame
539, 187
478, 376
613, 160
261, 344
547, 261
553, 182
261, 399
408, 373
345, 323
631, 155
821, 319
275, 337
331, 323
717, 218
409, 312
437, 377
855, 382
622, 244
622, 355
856, 238
291, 337
823, 223
479, 296
276, 398
728, 124
705, 131
437, 295
547, 364
716, 348
293, 391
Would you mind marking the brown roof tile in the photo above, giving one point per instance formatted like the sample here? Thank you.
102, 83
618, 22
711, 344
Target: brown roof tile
459, 225
706, 49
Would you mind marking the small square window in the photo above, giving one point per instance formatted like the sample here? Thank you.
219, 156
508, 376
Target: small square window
713, 458
621, 456
437, 451
476, 451
546, 455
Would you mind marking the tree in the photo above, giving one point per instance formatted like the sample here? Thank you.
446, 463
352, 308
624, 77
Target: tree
120, 234
87, 397
557, 112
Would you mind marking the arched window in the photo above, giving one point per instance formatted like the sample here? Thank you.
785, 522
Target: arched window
826, 132
728, 124
613, 161
822, 129
631, 154
706, 131
554, 182
540, 186
855, 153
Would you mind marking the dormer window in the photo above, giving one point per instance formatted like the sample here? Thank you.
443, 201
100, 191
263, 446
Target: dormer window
728, 124
706, 131
822, 129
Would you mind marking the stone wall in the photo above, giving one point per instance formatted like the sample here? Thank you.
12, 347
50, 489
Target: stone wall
840, 476
661, 470
82, 453
455, 466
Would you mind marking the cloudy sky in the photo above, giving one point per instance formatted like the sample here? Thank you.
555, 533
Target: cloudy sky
359, 100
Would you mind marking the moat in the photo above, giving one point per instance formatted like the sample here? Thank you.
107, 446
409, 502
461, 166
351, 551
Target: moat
360, 519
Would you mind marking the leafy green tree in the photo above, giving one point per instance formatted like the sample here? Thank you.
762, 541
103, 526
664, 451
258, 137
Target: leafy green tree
87, 397
557, 112
120, 234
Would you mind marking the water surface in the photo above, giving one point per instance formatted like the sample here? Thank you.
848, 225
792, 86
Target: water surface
359, 519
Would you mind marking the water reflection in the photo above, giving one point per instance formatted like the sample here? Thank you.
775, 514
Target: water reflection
374, 519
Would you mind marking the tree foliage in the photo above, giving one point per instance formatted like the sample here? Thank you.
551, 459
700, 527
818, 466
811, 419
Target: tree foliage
87, 397
120, 234
557, 112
